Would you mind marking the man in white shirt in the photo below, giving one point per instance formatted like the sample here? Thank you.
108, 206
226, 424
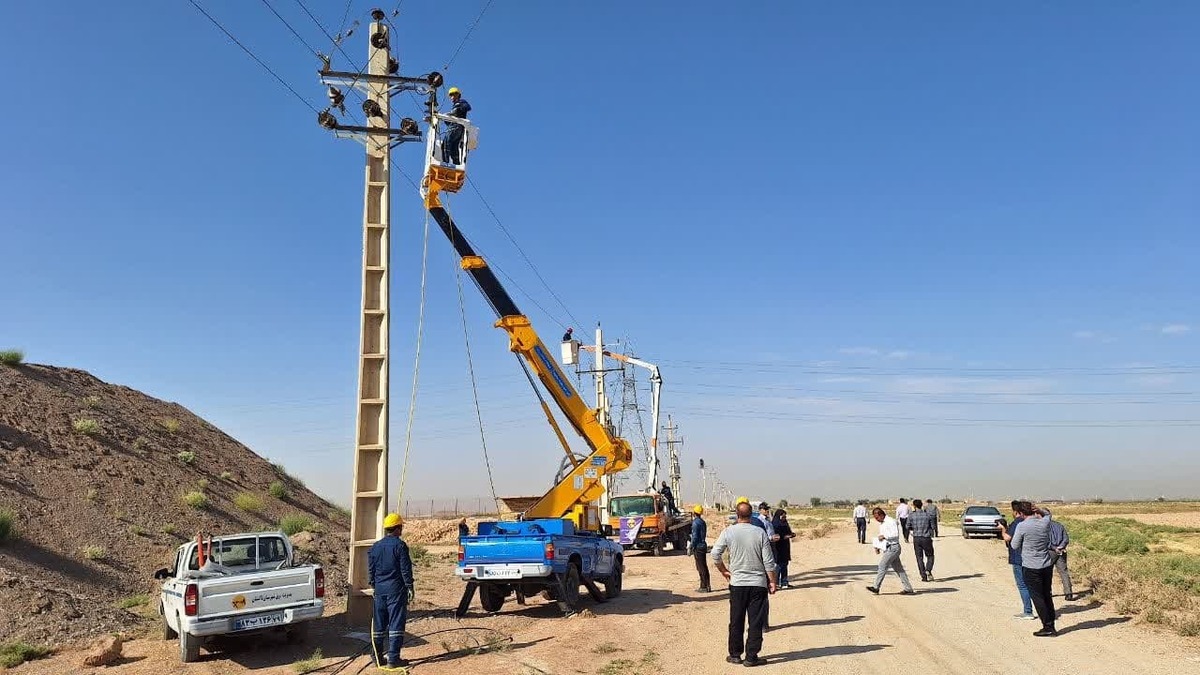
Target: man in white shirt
860, 522
902, 512
887, 546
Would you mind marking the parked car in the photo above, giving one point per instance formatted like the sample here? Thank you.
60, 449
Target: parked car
981, 520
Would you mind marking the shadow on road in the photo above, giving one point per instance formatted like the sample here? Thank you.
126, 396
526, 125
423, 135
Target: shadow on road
819, 622
1094, 623
818, 652
1073, 609
959, 577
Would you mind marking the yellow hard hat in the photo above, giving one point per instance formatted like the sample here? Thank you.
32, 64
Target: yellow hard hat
697, 509
453, 90
392, 520
742, 500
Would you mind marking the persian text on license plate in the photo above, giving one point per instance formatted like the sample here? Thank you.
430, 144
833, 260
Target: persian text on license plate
501, 572
260, 621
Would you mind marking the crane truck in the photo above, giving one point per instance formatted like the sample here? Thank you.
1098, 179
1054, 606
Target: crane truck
557, 544
643, 520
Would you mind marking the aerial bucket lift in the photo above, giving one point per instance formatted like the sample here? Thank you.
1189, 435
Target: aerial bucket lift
448, 175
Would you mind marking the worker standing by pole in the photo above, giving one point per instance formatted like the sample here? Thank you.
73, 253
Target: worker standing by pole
698, 548
391, 575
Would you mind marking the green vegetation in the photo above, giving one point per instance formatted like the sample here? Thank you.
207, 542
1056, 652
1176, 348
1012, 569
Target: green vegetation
196, 499
137, 530
606, 648
339, 511
170, 424
91, 494
278, 490
140, 443
168, 529
8, 525
132, 601
202, 484
649, 664
94, 552
12, 357
814, 501
1117, 536
86, 426
310, 664
248, 501
91, 401
296, 523
420, 555
226, 475
13, 654
187, 456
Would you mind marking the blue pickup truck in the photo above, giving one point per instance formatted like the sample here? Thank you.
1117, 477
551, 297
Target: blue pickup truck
544, 555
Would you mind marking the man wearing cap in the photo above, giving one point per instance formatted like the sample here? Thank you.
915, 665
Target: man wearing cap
389, 567
698, 546
452, 145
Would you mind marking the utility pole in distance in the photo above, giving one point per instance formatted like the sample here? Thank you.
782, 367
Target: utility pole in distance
673, 454
369, 503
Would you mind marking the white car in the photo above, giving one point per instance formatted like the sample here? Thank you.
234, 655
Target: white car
247, 583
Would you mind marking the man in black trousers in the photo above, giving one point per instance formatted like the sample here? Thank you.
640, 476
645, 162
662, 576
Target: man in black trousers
752, 578
920, 526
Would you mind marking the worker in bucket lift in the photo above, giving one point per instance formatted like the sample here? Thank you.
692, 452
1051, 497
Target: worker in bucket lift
569, 335
452, 143
391, 575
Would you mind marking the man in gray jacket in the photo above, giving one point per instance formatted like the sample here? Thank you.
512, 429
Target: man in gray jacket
1032, 539
752, 577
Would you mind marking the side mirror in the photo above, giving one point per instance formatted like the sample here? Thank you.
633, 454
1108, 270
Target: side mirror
606, 530
163, 573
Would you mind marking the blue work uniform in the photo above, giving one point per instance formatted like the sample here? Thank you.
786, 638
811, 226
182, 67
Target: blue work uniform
452, 145
390, 568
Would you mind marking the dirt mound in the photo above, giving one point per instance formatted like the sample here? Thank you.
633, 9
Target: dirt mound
97, 476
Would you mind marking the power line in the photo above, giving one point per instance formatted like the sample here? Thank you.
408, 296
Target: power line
290, 28
466, 37
253, 56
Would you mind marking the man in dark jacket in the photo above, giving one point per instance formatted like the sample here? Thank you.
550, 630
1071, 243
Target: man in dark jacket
669, 496
389, 567
920, 526
1014, 561
1059, 539
698, 545
452, 145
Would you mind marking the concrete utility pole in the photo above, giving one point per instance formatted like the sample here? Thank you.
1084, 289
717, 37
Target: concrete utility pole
602, 416
703, 484
369, 502
673, 452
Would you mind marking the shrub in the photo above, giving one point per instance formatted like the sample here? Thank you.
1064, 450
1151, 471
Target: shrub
294, 524
248, 501
91, 401
8, 525
94, 552
226, 475
196, 499
12, 357
168, 529
13, 654
1189, 627
278, 490
137, 530
419, 554
91, 495
279, 468
339, 511
310, 664
132, 601
202, 484
85, 426
140, 443
606, 648
170, 424
187, 456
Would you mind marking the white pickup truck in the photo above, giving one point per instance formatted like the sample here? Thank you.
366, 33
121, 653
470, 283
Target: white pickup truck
247, 583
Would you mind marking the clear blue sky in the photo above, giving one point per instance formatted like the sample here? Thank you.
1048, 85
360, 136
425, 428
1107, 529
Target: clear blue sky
877, 249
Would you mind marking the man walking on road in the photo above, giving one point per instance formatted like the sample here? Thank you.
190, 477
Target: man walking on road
1032, 539
860, 522
698, 547
1058, 554
932, 507
751, 577
1014, 561
902, 513
888, 546
920, 524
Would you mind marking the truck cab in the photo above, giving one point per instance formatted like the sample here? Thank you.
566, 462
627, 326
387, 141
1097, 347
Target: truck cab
644, 522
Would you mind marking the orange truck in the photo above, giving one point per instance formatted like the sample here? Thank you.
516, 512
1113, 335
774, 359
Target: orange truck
644, 522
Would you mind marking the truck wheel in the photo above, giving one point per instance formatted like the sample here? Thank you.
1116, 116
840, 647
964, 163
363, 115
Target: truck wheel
660, 547
297, 634
491, 597
168, 633
612, 587
571, 586
189, 647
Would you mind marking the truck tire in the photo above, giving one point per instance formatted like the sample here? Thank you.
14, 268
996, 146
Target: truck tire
660, 547
612, 587
571, 584
491, 598
681, 540
168, 633
189, 647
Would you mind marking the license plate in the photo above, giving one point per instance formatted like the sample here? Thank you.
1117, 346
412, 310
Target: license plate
501, 572
260, 621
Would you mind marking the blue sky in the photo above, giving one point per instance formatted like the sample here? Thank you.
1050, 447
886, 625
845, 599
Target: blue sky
876, 249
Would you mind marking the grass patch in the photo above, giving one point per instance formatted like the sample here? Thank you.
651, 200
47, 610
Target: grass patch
86, 426
137, 530
226, 475
310, 664
248, 501
170, 424
649, 664
91, 401
295, 524
94, 552
196, 499
339, 512
1188, 627
13, 654
278, 490
822, 530
12, 357
91, 494
140, 443
8, 525
168, 529
187, 456
202, 484
606, 648
420, 555
132, 601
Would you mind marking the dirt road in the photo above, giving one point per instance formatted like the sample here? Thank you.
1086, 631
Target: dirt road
827, 623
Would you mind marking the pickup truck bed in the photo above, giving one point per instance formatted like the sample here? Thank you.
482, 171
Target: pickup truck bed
542, 556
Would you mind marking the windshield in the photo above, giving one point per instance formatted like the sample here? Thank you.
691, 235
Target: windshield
982, 511
632, 506
243, 551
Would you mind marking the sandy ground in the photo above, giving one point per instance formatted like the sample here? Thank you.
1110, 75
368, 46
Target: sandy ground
827, 623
